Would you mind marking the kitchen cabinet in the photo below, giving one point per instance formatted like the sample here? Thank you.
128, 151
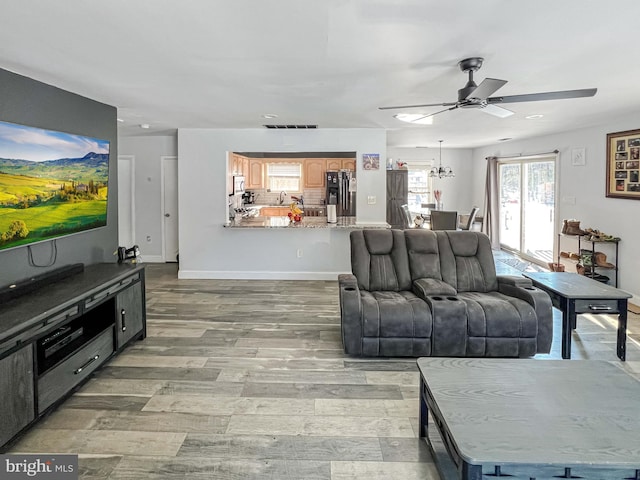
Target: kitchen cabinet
349, 164
334, 164
314, 172
255, 174
244, 168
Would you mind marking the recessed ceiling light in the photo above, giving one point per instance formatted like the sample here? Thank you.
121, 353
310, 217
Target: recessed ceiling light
421, 118
120, 120
269, 115
144, 125
531, 117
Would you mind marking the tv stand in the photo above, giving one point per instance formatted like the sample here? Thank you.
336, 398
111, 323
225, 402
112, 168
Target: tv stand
53, 337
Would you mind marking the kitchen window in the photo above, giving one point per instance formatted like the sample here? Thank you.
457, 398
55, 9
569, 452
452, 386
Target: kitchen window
284, 177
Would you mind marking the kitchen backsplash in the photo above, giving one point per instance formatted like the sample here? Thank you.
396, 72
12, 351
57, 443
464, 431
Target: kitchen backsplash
312, 196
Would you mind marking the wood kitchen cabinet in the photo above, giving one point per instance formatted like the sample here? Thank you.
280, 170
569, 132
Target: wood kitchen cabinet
314, 172
335, 164
254, 175
349, 164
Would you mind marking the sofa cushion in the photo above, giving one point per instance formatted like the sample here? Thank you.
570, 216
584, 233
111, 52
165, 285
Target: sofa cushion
395, 314
379, 260
466, 261
424, 257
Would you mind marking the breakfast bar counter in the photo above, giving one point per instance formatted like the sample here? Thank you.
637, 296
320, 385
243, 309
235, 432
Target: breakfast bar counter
306, 222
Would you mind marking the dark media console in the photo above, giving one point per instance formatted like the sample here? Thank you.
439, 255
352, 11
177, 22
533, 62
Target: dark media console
57, 329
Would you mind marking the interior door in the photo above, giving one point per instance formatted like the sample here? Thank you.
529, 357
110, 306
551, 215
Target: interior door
126, 204
170, 209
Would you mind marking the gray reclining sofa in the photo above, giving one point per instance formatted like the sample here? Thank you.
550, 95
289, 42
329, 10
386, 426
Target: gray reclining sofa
419, 292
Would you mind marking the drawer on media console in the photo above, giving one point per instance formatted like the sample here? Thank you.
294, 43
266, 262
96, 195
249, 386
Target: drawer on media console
59, 380
111, 290
596, 306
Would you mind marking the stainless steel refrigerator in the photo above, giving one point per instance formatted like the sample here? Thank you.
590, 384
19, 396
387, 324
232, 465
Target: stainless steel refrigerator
341, 192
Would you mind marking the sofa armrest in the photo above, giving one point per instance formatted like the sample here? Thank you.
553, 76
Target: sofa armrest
541, 303
350, 314
514, 280
424, 287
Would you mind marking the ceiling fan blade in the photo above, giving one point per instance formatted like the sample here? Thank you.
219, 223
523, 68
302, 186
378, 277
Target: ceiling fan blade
535, 97
417, 106
487, 87
440, 111
496, 111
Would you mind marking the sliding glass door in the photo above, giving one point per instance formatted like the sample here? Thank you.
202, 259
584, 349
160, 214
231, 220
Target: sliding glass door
527, 206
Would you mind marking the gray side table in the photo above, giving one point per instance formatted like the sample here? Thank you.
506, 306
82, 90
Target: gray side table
573, 294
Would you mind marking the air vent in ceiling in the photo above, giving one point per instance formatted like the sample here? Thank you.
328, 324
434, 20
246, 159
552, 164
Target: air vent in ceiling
292, 127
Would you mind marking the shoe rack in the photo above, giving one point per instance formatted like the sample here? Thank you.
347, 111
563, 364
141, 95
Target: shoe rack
608, 247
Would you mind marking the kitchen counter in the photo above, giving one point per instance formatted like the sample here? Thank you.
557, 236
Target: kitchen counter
307, 222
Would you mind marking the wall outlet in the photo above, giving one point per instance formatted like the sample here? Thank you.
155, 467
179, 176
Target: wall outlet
371, 199
299, 253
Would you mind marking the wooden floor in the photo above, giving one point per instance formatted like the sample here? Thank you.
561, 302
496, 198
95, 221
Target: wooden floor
246, 379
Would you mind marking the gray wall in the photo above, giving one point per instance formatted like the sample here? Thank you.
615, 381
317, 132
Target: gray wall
28, 102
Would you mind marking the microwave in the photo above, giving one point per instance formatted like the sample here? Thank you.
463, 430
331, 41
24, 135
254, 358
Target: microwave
238, 184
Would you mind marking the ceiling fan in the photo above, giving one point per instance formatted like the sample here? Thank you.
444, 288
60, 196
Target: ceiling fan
477, 96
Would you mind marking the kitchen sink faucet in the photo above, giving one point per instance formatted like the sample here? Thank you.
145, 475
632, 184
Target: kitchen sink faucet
281, 198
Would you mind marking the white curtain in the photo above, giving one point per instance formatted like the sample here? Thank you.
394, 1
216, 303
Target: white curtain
491, 219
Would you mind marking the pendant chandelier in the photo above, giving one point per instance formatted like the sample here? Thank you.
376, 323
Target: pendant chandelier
441, 172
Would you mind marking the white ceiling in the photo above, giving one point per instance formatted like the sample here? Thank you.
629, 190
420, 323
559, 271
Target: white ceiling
223, 64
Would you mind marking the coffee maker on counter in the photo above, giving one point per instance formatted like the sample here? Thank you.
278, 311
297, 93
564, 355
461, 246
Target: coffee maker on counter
248, 197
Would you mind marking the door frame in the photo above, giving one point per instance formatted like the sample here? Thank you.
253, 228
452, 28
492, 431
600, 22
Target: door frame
132, 190
163, 159
551, 156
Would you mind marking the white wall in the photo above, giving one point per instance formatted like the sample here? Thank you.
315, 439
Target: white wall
147, 152
457, 192
618, 217
210, 250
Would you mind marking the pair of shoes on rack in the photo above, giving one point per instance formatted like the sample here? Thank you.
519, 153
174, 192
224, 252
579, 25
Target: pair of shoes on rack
600, 260
572, 227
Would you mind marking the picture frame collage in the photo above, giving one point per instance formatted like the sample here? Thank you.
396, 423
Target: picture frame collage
623, 164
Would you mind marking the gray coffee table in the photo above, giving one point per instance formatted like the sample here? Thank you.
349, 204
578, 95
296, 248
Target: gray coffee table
573, 294
531, 418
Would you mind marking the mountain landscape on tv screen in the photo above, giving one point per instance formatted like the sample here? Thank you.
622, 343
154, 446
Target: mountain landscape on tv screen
40, 200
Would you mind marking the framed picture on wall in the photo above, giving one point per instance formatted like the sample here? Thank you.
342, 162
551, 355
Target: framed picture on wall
623, 151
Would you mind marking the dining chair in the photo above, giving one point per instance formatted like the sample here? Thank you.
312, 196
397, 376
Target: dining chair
407, 215
444, 220
469, 223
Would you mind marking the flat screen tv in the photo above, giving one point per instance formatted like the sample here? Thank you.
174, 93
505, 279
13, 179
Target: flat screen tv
52, 184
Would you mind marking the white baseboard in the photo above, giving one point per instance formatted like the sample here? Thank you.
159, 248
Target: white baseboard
231, 275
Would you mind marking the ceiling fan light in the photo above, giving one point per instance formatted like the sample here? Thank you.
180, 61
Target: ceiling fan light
419, 118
